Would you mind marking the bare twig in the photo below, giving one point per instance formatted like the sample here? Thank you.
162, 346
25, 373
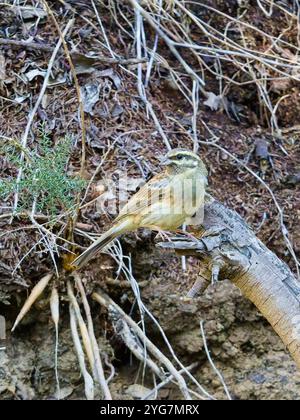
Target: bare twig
132, 342
167, 40
49, 49
168, 380
141, 88
127, 271
25, 44
211, 361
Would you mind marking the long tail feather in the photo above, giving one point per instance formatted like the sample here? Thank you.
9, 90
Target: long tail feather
101, 243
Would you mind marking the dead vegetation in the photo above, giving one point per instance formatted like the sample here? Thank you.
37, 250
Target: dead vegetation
127, 80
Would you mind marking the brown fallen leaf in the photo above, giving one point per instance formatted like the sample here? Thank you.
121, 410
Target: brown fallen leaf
29, 12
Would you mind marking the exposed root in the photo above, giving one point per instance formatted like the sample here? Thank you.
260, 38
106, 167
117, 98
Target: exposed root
88, 380
117, 313
54, 307
98, 368
34, 295
83, 328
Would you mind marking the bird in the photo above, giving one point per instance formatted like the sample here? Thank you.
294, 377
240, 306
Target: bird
166, 202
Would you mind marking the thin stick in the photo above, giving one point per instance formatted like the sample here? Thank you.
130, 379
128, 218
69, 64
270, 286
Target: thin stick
167, 40
45, 239
168, 380
98, 363
218, 373
49, 49
134, 346
103, 30
26, 44
141, 88
143, 309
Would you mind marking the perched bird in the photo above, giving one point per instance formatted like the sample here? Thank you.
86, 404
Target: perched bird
164, 203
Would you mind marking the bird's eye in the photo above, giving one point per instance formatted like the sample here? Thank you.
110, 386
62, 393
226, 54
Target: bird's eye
179, 157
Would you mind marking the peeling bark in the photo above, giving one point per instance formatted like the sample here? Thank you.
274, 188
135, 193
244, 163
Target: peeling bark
228, 247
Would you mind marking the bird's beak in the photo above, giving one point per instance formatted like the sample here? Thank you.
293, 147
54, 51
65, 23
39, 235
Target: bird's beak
166, 162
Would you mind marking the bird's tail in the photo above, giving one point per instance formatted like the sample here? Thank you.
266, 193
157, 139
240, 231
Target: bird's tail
101, 243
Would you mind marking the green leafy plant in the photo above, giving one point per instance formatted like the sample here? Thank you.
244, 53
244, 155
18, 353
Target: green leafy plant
44, 180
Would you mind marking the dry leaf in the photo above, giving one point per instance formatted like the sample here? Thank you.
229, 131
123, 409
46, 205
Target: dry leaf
20, 99
45, 101
29, 12
31, 74
84, 64
64, 393
286, 53
138, 391
213, 101
60, 79
90, 96
106, 203
35, 293
112, 75
280, 85
117, 110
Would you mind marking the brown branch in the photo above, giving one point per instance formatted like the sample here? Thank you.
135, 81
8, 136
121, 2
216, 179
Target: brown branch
242, 258
14, 43
25, 44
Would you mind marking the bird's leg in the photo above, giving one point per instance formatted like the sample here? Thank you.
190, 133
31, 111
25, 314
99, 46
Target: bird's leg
185, 233
216, 266
137, 236
165, 236
198, 287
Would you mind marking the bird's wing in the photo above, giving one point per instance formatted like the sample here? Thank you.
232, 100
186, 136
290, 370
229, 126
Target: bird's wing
148, 194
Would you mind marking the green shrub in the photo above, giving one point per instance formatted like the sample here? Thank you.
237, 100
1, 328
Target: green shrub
45, 180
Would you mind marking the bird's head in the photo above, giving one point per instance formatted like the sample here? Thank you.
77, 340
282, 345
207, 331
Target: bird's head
181, 160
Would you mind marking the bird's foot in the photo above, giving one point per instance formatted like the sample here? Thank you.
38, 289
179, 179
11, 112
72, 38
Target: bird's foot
165, 236
187, 234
